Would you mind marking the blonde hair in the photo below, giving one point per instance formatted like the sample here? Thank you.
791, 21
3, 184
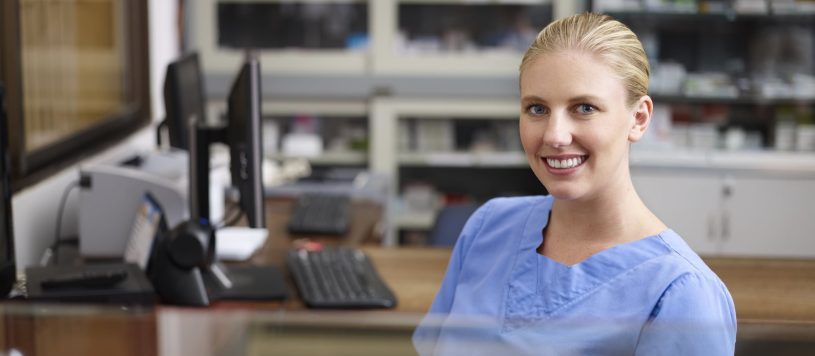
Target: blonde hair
614, 43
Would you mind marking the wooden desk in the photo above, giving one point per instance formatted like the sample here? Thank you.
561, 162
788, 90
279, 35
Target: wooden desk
414, 274
769, 289
763, 290
775, 301
40, 329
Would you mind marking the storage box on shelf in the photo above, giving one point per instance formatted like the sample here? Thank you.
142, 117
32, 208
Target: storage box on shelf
456, 148
292, 37
729, 74
326, 133
383, 37
387, 113
455, 37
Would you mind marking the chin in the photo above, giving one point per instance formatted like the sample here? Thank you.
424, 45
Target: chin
565, 193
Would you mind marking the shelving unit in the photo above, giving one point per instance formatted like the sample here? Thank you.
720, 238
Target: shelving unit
282, 112
449, 40
376, 48
387, 84
728, 66
464, 159
298, 57
455, 167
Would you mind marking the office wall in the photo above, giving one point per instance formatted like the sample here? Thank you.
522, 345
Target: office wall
164, 47
35, 208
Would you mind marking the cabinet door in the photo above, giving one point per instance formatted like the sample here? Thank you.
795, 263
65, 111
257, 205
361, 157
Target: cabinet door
770, 217
688, 202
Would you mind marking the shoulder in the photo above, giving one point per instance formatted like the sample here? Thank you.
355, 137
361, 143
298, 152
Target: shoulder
693, 285
500, 219
685, 259
694, 314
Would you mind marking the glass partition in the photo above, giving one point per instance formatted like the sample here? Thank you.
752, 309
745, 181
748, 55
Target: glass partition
76, 76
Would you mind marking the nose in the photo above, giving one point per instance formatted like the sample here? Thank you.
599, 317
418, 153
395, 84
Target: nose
558, 131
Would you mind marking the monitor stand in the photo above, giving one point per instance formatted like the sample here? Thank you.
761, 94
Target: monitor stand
244, 283
197, 250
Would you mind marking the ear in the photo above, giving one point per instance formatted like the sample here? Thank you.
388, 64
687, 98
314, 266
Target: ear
643, 110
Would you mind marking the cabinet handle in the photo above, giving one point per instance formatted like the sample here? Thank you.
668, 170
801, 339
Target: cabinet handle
727, 188
711, 228
725, 226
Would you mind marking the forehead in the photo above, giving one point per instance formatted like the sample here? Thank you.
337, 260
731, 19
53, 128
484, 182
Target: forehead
563, 75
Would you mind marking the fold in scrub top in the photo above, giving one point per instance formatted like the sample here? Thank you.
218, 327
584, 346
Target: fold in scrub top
653, 296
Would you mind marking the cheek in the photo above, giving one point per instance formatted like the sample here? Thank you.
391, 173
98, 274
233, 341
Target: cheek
610, 142
529, 138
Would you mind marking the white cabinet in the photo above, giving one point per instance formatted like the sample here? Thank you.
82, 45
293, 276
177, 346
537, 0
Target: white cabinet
769, 216
689, 203
734, 212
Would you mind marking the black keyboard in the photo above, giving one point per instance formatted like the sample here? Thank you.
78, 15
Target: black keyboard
341, 277
320, 213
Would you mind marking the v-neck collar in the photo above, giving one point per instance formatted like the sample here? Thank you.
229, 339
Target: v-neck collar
540, 286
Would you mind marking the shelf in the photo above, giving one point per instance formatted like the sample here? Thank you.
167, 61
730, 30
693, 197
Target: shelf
741, 100
776, 163
414, 220
464, 159
451, 108
329, 158
477, 2
726, 15
328, 108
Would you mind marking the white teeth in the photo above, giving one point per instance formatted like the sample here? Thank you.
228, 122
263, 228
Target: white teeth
566, 163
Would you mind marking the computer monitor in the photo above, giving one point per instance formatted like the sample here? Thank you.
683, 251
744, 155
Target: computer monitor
184, 102
8, 274
183, 99
244, 137
192, 245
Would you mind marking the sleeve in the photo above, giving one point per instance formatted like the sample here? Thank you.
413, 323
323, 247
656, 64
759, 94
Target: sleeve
427, 333
695, 316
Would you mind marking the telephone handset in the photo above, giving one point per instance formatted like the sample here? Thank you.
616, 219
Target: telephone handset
166, 256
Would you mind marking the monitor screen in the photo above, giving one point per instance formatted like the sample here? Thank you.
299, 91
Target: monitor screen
183, 98
7, 269
245, 140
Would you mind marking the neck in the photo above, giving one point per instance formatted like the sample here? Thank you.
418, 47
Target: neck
613, 216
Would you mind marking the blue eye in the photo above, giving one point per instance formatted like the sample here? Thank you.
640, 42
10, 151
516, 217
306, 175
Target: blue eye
536, 109
586, 108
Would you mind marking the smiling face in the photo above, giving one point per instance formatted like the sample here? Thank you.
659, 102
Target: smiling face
576, 124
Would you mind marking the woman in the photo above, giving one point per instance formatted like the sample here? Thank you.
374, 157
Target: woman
588, 269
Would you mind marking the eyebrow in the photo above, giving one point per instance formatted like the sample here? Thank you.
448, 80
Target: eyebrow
583, 98
580, 98
532, 98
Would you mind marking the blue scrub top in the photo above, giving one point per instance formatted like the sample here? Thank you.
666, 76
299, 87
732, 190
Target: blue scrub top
653, 296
